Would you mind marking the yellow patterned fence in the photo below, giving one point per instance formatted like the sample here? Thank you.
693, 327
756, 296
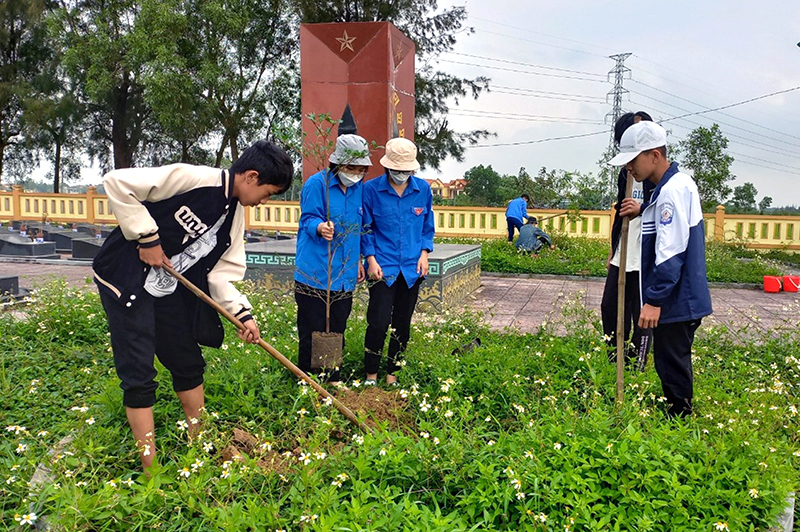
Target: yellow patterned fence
757, 231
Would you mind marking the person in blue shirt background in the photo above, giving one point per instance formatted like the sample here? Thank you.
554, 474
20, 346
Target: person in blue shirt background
398, 216
516, 211
349, 163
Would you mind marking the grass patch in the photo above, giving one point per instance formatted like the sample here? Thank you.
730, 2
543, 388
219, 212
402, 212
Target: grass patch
519, 434
728, 263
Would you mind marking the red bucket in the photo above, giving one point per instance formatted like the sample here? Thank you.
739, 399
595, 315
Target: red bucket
772, 284
790, 283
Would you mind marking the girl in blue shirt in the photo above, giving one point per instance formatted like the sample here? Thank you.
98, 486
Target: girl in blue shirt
333, 215
398, 218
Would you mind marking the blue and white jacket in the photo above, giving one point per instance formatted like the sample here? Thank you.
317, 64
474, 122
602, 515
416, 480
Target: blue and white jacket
673, 274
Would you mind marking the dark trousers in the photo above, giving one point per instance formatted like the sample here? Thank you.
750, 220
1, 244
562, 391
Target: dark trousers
389, 305
311, 318
513, 224
149, 327
672, 354
608, 311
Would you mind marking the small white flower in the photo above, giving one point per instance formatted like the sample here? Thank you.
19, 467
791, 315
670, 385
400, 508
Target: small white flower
424, 406
208, 447
448, 414
185, 472
302, 412
42, 433
328, 401
128, 482
305, 458
382, 452
182, 425
11, 479
26, 519
720, 526
320, 455
359, 439
490, 443
753, 493
516, 484
197, 464
425, 435
112, 483
520, 495
21, 448
90, 421
557, 446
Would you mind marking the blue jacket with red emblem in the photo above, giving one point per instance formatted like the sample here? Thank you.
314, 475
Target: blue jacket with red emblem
673, 274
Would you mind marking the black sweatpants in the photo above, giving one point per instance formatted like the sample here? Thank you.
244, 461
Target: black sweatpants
608, 311
147, 327
311, 318
672, 354
389, 305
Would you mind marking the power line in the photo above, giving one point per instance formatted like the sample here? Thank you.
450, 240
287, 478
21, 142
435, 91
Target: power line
538, 141
527, 30
522, 71
705, 106
525, 119
735, 104
546, 94
571, 118
530, 95
538, 42
761, 135
527, 64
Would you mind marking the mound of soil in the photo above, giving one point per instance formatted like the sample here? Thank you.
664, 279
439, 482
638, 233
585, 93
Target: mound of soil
377, 407
245, 443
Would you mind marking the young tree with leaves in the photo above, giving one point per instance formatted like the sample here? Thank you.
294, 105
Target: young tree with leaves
703, 152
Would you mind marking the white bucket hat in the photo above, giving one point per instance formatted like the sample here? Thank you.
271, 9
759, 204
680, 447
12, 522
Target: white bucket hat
401, 154
351, 150
639, 137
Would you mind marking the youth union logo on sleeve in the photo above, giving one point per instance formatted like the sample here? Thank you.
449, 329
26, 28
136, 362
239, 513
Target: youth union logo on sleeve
666, 214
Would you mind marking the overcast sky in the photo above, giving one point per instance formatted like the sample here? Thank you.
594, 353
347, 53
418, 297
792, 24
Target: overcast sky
549, 61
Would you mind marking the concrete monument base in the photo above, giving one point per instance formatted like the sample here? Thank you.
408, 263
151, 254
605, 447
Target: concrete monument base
455, 271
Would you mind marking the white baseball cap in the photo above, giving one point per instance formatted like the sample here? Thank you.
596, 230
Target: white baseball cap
639, 137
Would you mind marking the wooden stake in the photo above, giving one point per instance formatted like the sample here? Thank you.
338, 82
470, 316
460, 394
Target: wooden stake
346, 412
623, 259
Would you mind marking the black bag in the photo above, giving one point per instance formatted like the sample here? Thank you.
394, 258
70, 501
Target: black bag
206, 326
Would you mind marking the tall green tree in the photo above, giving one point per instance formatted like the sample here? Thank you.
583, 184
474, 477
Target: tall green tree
97, 39
703, 152
744, 198
22, 36
218, 66
484, 186
550, 188
764, 204
434, 31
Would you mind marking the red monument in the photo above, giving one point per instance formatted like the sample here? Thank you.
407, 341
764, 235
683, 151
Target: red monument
368, 65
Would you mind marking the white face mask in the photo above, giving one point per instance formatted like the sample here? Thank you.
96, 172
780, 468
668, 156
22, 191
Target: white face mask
399, 177
348, 179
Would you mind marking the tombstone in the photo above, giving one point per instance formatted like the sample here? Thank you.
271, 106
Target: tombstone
10, 290
22, 246
62, 239
86, 248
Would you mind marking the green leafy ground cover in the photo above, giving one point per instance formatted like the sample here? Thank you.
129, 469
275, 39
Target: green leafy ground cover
518, 434
727, 263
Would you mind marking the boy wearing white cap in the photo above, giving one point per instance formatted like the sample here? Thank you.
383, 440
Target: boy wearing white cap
398, 216
674, 287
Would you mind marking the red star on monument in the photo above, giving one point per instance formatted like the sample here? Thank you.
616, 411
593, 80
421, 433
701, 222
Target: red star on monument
346, 41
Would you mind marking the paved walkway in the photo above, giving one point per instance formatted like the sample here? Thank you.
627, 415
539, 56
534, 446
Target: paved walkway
515, 302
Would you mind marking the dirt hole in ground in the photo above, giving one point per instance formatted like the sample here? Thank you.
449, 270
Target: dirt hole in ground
378, 407
375, 406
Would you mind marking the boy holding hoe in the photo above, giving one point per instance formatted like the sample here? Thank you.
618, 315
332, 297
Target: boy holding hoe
190, 218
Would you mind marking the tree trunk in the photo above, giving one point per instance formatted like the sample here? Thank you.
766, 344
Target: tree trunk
184, 152
221, 151
57, 168
119, 137
234, 146
2, 151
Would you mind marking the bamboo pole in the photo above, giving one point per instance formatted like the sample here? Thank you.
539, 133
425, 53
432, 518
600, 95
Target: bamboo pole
346, 412
623, 259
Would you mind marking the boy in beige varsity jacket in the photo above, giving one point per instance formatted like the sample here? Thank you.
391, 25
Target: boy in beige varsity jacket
190, 218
